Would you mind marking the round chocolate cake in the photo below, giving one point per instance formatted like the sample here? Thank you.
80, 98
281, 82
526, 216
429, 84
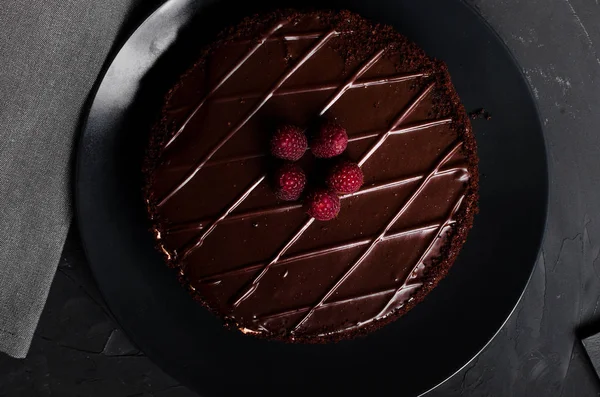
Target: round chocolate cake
312, 177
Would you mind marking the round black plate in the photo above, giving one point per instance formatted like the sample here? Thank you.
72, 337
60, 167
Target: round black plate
408, 357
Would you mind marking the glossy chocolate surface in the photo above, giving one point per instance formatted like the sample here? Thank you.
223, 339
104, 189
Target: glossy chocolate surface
266, 266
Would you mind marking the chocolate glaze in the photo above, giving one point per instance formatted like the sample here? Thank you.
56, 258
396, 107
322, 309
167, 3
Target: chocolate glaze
264, 265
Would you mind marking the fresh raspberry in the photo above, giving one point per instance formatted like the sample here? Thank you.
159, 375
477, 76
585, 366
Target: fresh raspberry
345, 177
323, 205
288, 143
289, 182
330, 141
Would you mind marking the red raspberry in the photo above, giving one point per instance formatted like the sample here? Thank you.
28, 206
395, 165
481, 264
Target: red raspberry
330, 141
345, 177
288, 143
323, 205
289, 182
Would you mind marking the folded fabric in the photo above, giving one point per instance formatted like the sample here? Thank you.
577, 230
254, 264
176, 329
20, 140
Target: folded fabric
52, 52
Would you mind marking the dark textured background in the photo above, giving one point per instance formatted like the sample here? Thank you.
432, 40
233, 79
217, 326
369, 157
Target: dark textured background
79, 350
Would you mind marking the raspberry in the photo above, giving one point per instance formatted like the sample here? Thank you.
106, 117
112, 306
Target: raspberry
345, 177
288, 143
289, 182
323, 205
330, 141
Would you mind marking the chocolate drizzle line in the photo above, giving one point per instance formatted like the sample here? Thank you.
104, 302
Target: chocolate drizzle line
215, 223
351, 81
374, 243
411, 108
322, 41
253, 285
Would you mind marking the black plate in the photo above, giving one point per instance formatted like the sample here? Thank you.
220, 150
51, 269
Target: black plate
410, 356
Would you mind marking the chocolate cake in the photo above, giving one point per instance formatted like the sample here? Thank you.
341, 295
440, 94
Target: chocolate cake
263, 264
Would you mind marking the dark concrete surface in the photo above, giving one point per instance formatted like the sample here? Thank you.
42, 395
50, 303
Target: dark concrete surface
79, 349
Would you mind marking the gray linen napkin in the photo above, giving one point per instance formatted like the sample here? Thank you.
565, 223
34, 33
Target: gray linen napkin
51, 52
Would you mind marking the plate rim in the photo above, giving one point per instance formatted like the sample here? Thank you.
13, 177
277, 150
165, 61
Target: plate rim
135, 26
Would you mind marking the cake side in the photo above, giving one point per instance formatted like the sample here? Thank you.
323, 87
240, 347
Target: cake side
195, 231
